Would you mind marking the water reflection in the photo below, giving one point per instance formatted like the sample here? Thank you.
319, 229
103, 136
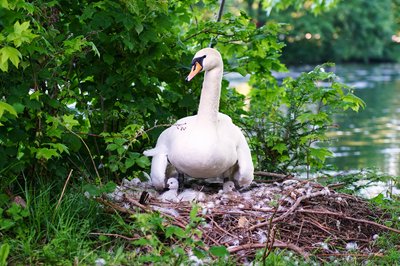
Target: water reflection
371, 137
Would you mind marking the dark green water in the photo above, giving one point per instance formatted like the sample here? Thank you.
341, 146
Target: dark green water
371, 137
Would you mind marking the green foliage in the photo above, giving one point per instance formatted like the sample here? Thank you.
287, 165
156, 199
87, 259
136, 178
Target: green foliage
358, 30
42, 233
121, 145
13, 217
96, 191
169, 244
288, 120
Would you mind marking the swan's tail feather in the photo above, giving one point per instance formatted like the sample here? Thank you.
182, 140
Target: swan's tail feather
150, 152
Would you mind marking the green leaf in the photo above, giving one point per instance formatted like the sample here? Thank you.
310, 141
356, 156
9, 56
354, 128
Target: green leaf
143, 161
4, 4
45, 153
141, 242
69, 122
4, 251
379, 199
35, 96
112, 147
92, 189
94, 48
18, 107
9, 53
129, 162
139, 28
6, 224
219, 251
21, 34
174, 230
6, 107
280, 147
109, 187
60, 147
320, 153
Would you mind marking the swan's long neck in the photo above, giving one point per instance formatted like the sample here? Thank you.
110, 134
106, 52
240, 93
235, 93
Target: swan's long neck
210, 95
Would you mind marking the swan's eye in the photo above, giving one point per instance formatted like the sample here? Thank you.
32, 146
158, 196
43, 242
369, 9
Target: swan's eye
196, 67
198, 60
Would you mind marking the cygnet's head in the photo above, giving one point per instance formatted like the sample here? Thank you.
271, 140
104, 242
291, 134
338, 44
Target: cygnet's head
205, 59
228, 186
172, 183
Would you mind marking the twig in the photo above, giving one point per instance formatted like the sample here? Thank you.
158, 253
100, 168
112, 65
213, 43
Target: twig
277, 244
352, 255
337, 185
220, 228
136, 203
301, 228
263, 173
273, 177
351, 218
291, 209
270, 237
114, 206
219, 16
297, 203
63, 190
90, 154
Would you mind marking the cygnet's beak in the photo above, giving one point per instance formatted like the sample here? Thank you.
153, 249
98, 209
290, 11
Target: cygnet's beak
196, 68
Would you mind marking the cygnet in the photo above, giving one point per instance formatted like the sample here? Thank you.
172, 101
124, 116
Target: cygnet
172, 194
186, 195
227, 187
191, 195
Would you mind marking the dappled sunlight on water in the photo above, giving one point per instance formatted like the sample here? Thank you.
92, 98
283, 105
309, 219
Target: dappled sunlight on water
370, 138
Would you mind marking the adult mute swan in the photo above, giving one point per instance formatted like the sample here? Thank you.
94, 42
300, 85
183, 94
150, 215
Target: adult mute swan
206, 145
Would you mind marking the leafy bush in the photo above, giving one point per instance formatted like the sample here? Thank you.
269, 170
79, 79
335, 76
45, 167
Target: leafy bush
288, 120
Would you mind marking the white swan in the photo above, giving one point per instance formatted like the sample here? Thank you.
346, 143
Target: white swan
208, 144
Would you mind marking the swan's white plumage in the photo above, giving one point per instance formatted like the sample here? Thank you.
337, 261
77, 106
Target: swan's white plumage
205, 145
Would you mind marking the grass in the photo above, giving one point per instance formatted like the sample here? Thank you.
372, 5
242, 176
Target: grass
80, 231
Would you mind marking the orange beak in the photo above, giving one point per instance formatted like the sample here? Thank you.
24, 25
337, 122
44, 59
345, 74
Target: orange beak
195, 69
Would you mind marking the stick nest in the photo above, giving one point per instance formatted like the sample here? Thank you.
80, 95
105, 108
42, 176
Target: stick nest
294, 214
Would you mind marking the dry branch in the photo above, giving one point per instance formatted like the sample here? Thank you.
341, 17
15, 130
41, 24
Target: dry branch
352, 219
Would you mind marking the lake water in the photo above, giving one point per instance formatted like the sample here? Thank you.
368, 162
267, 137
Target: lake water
371, 137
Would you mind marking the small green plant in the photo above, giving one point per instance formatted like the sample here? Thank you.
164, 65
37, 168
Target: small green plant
13, 218
167, 243
120, 145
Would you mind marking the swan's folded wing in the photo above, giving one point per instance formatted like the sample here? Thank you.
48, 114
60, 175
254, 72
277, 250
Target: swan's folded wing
245, 162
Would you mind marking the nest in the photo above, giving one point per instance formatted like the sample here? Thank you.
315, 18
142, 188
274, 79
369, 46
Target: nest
298, 215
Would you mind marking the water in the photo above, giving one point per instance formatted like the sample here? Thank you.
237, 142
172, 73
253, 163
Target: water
371, 137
